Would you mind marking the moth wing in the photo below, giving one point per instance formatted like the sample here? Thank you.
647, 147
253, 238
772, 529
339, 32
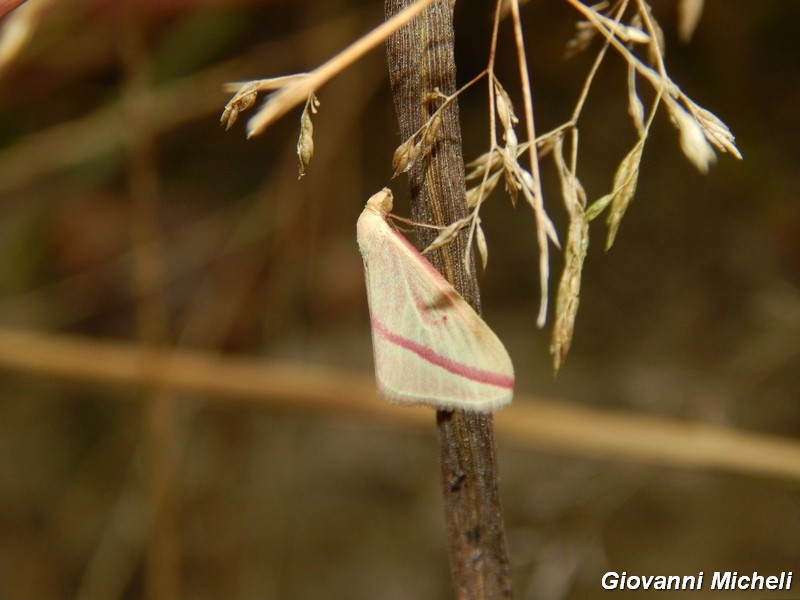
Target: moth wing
430, 346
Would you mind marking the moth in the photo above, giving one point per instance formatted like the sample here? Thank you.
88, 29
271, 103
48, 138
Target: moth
430, 346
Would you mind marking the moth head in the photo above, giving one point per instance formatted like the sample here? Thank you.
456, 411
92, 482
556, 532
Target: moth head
381, 202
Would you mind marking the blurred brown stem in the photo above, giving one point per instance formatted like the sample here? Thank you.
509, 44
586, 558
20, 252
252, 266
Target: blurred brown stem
534, 424
421, 60
162, 557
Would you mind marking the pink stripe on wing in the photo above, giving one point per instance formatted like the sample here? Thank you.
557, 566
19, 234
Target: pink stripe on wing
457, 368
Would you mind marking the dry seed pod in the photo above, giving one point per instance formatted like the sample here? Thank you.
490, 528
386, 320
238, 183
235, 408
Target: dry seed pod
635, 107
434, 124
569, 289
692, 137
488, 161
446, 235
625, 180
480, 240
715, 130
305, 143
241, 101
504, 107
405, 155
476, 195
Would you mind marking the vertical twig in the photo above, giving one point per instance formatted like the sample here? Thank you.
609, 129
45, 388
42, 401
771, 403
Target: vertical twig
162, 555
421, 59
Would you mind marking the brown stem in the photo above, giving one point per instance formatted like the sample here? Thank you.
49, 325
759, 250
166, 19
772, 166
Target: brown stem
162, 554
421, 59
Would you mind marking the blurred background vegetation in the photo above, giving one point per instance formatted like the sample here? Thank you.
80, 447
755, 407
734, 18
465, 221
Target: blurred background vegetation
128, 214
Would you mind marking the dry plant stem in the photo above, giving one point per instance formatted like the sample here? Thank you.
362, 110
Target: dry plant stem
553, 425
292, 95
162, 559
420, 60
538, 206
659, 79
592, 72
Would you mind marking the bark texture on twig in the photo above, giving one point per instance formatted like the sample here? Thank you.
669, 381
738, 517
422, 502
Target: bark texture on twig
421, 60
